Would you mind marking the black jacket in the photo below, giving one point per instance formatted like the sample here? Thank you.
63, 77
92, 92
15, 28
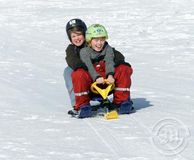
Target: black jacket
73, 57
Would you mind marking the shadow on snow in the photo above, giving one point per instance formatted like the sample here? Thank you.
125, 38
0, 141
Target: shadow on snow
140, 103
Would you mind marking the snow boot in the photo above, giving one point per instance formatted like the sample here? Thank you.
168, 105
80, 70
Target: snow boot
126, 107
85, 111
73, 113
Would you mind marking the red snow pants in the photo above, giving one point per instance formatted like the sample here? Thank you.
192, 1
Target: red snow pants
82, 81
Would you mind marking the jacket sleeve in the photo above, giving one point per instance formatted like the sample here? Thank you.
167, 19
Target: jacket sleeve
73, 59
85, 57
109, 59
119, 58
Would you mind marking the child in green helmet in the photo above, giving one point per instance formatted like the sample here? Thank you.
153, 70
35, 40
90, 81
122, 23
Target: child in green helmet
101, 62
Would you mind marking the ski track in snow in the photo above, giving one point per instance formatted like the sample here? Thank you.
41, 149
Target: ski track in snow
156, 37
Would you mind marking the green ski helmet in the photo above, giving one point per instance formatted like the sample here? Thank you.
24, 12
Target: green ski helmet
95, 31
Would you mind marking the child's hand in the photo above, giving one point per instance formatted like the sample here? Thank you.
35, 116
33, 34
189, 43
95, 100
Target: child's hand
110, 79
100, 80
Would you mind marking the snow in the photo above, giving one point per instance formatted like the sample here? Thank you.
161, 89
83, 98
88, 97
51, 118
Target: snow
157, 38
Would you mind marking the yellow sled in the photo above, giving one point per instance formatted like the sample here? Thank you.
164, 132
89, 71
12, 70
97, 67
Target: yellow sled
104, 93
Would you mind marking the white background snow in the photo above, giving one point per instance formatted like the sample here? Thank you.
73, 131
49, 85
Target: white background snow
157, 38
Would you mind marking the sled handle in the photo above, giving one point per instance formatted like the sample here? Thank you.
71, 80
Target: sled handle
103, 92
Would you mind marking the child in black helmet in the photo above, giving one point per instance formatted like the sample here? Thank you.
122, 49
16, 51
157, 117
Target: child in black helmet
75, 30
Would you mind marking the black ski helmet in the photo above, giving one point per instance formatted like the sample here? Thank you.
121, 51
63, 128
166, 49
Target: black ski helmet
76, 23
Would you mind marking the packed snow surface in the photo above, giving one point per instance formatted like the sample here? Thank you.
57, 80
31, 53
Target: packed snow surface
156, 37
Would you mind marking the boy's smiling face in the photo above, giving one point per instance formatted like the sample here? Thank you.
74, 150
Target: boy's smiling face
77, 38
97, 44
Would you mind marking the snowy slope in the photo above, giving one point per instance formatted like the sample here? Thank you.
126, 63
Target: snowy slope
156, 37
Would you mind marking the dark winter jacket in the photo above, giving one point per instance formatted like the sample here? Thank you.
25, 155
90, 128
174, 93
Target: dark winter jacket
73, 57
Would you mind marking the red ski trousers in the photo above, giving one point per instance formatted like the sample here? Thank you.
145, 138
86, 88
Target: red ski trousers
82, 81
